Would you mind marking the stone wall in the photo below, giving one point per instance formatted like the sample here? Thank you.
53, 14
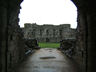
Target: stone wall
3, 35
81, 50
48, 33
15, 41
87, 13
68, 47
16, 51
32, 44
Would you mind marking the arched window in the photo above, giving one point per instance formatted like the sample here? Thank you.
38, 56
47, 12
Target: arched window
40, 32
33, 32
47, 32
53, 32
60, 32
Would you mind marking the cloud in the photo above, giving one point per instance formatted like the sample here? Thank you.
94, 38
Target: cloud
48, 12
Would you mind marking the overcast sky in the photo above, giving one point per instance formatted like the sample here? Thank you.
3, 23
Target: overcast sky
48, 12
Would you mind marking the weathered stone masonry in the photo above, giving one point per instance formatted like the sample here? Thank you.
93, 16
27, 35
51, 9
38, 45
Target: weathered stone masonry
86, 32
48, 33
16, 48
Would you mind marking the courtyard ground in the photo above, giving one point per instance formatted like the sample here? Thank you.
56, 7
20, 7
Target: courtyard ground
47, 60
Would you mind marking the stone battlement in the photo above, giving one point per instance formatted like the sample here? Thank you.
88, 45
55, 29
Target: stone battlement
28, 25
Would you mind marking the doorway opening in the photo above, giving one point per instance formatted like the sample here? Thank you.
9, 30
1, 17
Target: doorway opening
54, 19
14, 52
55, 12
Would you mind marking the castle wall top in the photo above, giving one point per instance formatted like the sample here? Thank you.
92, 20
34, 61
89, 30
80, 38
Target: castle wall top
29, 25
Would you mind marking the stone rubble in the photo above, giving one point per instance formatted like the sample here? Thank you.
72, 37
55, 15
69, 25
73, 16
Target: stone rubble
68, 47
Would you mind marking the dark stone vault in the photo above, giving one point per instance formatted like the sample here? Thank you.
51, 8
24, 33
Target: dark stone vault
11, 37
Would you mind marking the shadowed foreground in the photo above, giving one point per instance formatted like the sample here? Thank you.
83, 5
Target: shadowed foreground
47, 60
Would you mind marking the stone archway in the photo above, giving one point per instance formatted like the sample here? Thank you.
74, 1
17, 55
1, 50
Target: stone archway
9, 11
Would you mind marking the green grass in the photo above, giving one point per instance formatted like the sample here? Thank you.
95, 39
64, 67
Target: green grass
49, 45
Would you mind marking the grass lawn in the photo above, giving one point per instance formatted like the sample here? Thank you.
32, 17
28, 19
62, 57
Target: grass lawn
49, 45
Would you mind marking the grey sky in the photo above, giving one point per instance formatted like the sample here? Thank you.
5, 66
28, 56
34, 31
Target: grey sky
48, 12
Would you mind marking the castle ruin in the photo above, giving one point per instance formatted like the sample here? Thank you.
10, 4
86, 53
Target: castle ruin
48, 33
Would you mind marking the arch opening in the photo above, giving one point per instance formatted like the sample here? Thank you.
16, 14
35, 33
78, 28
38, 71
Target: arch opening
54, 12
82, 16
